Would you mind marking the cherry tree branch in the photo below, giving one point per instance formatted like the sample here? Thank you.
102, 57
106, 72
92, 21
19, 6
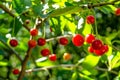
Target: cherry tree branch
103, 69
88, 5
21, 75
3, 7
7, 10
102, 4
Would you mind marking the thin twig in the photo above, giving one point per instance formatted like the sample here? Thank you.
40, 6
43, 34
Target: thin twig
102, 4
7, 10
114, 47
103, 69
26, 27
70, 66
55, 38
13, 51
50, 67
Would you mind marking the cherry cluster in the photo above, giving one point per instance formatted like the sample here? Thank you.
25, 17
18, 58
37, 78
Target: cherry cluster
96, 46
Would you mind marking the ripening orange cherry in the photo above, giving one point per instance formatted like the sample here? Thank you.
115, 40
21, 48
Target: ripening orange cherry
67, 56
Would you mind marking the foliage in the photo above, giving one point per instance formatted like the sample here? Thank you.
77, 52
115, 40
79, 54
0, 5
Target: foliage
60, 18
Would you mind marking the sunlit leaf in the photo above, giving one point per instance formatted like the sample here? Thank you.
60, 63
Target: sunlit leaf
87, 29
89, 63
115, 60
85, 77
64, 11
91, 60
109, 51
3, 63
46, 63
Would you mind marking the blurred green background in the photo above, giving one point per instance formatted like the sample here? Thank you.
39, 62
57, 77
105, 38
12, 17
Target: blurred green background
56, 12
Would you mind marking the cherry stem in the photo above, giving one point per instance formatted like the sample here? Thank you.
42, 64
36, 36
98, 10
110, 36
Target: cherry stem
58, 37
96, 30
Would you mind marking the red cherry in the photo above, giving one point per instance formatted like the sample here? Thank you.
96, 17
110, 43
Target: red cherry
63, 41
34, 32
78, 40
53, 57
45, 52
104, 48
98, 52
13, 42
97, 44
90, 49
32, 43
89, 38
117, 12
41, 41
90, 19
16, 71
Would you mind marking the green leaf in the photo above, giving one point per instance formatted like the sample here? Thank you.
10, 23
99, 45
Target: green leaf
113, 35
64, 11
89, 63
68, 4
106, 9
3, 63
115, 60
1, 56
87, 29
2, 37
20, 5
4, 30
85, 77
109, 51
16, 26
65, 23
27, 2
91, 60
46, 63
74, 76
37, 9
